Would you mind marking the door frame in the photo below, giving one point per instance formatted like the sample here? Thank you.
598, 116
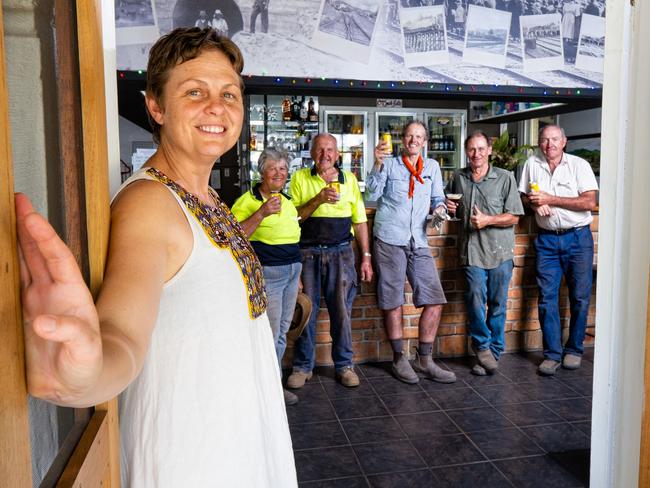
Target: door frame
95, 459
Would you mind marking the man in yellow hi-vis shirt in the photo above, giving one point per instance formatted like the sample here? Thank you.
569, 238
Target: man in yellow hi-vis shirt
329, 205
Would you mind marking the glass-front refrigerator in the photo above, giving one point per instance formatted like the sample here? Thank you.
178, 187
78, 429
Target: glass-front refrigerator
393, 123
446, 138
285, 123
446, 134
350, 128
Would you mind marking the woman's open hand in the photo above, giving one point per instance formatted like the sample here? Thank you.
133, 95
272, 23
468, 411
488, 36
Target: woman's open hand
63, 346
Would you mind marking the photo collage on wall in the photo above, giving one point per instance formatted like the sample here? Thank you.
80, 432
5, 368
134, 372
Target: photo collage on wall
556, 43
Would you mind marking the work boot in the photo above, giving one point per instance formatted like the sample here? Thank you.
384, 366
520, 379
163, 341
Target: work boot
403, 371
571, 361
486, 359
478, 370
348, 377
297, 378
548, 367
431, 370
290, 398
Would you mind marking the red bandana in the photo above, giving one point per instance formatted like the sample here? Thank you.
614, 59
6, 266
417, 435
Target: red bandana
415, 173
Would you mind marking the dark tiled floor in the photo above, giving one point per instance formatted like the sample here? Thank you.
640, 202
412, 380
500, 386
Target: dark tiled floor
514, 428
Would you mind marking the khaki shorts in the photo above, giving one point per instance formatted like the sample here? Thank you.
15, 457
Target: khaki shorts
394, 263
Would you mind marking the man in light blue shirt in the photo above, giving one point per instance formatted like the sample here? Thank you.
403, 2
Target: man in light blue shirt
406, 190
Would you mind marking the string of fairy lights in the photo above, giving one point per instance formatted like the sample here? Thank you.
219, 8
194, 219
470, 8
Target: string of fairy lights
404, 86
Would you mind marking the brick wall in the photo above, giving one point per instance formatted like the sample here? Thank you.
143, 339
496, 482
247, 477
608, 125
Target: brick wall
522, 329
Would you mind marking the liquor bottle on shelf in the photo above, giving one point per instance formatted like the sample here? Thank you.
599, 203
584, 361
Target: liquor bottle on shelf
286, 109
452, 143
295, 109
311, 112
303, 110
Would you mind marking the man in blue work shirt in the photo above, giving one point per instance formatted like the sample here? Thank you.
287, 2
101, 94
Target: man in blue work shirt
406, 189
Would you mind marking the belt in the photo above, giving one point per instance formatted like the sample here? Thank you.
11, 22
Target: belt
325, 246
559, 232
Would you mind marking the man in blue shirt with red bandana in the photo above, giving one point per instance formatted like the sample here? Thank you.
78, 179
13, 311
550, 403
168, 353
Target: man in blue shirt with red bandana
407, 189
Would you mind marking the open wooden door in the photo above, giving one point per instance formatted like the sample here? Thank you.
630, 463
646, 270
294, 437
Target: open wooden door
95, 459
15, 458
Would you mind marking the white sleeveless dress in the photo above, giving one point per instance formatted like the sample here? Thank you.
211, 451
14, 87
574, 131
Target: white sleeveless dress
207, 410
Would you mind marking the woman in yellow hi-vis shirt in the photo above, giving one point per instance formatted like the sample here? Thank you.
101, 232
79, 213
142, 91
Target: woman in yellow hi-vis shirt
271, 222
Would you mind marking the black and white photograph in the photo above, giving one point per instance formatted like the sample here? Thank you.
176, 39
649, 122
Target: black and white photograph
135, 21
364, 40
591, 47
541, 40
418, 3
486, 38
424, 36
346, 28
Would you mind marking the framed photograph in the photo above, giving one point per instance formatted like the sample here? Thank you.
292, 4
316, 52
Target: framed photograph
541, 42
346, 29
424, 36
591, 46
135, 22
486, 36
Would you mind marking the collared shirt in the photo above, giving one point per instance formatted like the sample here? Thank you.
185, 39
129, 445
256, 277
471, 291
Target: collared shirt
276, 238
330, 223
400, 218
571, 177
495, 194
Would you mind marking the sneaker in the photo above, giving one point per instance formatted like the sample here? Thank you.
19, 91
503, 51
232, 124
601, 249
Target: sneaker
433, 371
571, 361
403, 371
348, 377
487, 360
548, 367
297, 378
290, 398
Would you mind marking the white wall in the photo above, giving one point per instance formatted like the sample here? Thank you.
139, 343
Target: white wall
624, 254
110, 83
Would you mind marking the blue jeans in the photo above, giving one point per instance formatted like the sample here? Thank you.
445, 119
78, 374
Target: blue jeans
572, 255
488, 287
281, 284
330, 270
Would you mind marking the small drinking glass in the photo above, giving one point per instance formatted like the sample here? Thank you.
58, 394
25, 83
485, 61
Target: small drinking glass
274, 194
454, 197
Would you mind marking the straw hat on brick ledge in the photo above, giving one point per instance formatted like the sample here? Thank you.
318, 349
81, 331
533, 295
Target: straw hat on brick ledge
300, 316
